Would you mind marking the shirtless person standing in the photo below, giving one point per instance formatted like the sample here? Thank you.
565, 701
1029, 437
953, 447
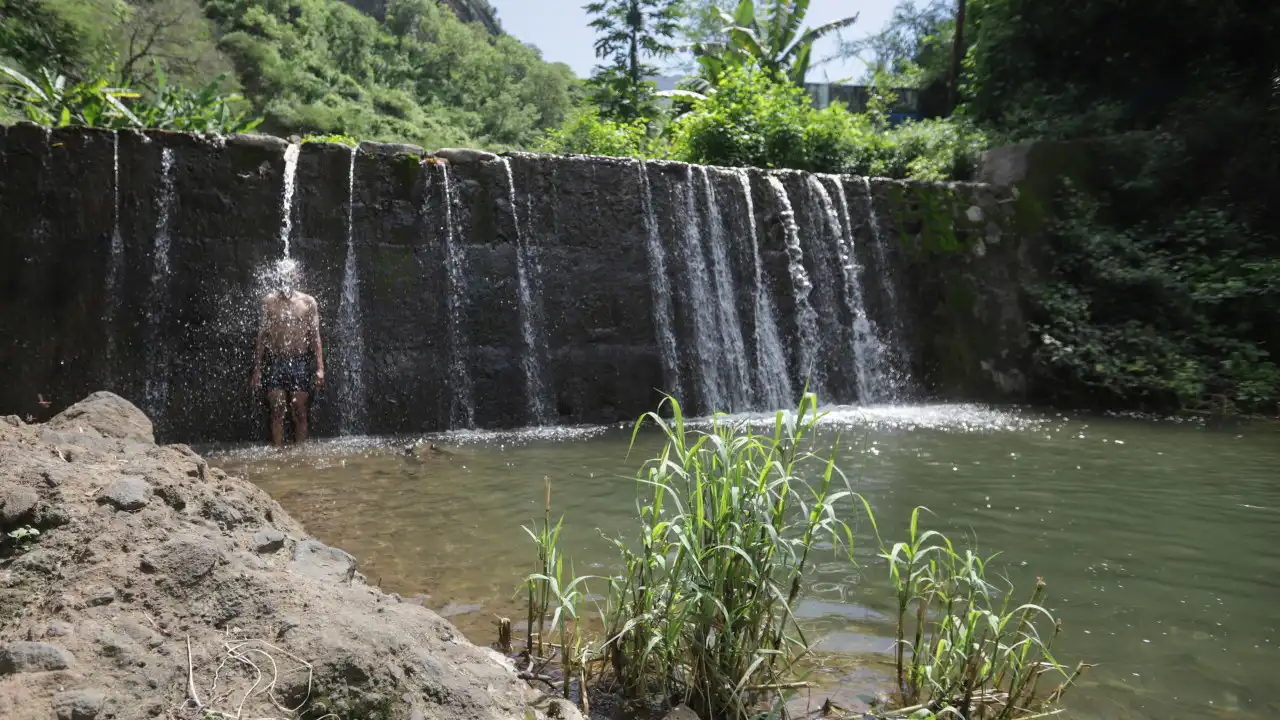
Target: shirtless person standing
288, 336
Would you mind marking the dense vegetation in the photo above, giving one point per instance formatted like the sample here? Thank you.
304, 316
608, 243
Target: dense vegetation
307, 66
1165, 276
746, 104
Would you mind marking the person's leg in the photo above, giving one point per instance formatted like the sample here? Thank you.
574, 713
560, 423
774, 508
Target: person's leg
275, 396
298, 408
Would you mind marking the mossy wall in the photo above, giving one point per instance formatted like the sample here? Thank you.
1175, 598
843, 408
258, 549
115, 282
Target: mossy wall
85, 303
965, 255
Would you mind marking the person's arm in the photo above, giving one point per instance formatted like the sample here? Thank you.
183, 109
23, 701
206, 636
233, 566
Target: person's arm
316, 345
259, 346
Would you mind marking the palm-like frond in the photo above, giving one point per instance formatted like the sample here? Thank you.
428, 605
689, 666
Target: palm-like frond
814, 34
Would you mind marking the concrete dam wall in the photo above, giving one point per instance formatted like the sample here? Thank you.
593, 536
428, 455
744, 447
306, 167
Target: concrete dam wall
490, 291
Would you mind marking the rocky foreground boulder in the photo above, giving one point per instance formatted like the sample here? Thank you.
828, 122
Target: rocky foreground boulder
160, 587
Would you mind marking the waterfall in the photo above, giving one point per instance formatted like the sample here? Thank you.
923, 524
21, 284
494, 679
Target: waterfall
700, 302
662, 315
868, 351
773, 381
286, 197
462, 409
115, 264
896, 381
351, 393
735, 377
530, 317
156, 385
809, 341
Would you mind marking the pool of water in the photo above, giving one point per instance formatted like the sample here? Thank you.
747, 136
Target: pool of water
1158, 538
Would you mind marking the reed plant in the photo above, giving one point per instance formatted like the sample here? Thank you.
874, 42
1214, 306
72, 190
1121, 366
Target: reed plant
543, 584
965, 646
702, 610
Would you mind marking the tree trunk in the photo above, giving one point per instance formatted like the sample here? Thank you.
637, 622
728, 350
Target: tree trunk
957, 59
635, 19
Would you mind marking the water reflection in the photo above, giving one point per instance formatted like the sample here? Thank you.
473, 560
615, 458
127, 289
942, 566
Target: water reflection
1157, 538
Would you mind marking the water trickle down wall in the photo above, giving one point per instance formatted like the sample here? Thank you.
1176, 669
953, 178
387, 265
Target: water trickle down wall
491, 293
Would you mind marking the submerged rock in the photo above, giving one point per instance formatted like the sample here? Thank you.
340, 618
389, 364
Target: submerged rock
130, 597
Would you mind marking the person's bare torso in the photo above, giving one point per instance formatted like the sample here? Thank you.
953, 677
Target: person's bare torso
287, 323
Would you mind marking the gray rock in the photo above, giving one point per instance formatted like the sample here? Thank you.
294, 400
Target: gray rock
268, 540
100, 595
38, 560
24, 657
129, 493
17, 505
57, 628
109, 414
13, 420
78, 704
222, 513
186, 559
316, 560
465, 156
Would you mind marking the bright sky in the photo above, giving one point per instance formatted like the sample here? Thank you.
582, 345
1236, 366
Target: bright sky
559, 29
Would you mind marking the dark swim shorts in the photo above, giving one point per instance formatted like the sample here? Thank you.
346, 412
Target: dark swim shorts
291, 374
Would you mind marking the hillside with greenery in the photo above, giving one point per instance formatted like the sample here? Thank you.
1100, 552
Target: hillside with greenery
306, 66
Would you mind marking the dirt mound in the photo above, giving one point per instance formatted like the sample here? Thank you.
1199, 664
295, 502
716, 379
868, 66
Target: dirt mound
159, 587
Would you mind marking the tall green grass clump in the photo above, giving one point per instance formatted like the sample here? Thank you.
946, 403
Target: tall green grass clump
702, 611
966, 647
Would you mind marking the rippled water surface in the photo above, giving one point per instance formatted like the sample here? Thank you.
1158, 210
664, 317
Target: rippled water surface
1160, 539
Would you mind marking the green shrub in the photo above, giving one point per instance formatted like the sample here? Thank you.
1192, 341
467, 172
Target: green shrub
921, 149
588, 133
752, 119
1158, 316
50, 99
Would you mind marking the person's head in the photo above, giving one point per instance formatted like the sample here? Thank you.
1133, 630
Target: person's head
287, 276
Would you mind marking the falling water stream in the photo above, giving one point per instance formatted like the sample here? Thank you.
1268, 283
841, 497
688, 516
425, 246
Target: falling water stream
865, 348
156, 385
537, 402
286, 197
700, 302
115, 264
897, 381
875, 376
351, 392
735, 376
660, 287
808, 341
462, 409
773, 381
